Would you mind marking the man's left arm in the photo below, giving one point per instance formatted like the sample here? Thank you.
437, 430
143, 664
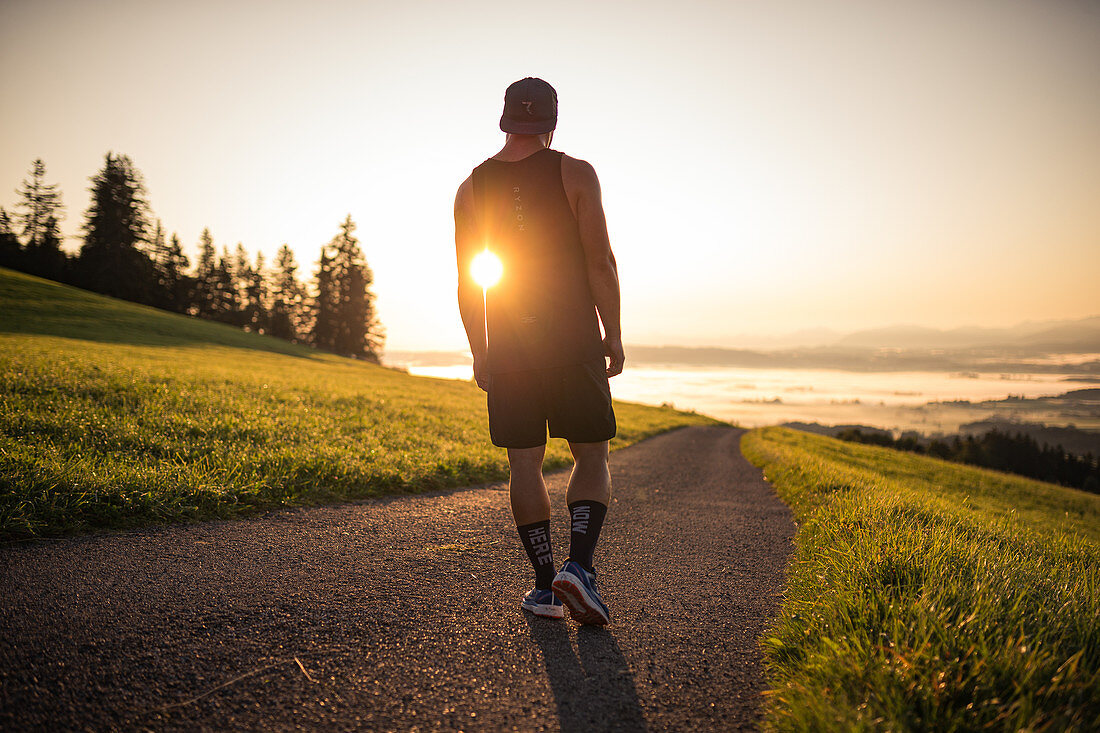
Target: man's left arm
583, 189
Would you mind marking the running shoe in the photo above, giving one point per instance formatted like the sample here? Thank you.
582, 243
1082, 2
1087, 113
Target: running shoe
576, 587
542, 603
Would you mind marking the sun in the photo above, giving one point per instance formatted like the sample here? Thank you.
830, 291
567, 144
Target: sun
486, 269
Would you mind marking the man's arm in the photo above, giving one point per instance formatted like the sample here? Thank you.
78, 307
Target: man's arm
471, 307
582, 187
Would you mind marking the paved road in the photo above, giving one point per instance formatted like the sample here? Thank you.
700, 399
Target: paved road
403, 614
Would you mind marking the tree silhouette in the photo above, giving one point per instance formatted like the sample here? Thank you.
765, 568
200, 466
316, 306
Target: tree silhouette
226, 300
358, 333
47, 259
11, 252
344, 318
172, 291
114, 227
40, 210
203, 297
176, 282
287, 297
322, 334
255, 296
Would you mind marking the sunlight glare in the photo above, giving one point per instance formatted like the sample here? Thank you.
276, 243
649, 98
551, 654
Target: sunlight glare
486, 269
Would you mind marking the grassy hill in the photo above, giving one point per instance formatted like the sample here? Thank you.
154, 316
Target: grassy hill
927, 595
113, 414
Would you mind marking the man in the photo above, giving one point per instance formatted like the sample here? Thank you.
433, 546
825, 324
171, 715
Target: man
535, 336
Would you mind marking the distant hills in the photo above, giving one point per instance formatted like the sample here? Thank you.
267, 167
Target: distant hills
1016, 360
1017, 349
1076, 336
895, 348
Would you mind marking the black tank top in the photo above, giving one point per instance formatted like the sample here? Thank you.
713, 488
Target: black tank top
541, 313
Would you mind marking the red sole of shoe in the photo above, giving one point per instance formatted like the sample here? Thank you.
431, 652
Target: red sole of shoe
573, 598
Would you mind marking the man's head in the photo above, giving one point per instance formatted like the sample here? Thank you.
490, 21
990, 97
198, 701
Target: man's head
530, 108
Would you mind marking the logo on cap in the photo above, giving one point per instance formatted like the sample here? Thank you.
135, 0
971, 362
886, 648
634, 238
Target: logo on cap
527, 106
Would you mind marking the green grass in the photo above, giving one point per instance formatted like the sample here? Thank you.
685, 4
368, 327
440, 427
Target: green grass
926, 595
114, 415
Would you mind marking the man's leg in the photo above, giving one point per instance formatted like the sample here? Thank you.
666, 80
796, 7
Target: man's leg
588, 496
526, 488
531, 510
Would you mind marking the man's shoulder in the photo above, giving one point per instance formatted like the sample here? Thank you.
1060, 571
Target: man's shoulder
578, 175
576, 165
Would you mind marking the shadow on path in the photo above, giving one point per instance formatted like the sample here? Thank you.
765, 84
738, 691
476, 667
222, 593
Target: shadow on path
593, 686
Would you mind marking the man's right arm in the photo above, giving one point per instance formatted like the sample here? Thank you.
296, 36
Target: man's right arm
471, 307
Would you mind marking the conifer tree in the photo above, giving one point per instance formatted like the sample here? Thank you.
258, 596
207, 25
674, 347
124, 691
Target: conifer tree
177, 281
156, 242
11, 252
287, 297
357, 332
111, 260
173, 284
226, 302
48, 259
158, 253
255, 297
242, 277
204, 290
41, 208
322, 333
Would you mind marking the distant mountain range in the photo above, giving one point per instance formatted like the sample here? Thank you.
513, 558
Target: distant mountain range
1021, 348
1077, 336
894, 348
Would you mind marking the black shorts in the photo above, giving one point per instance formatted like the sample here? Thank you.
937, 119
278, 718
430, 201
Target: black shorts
575, 401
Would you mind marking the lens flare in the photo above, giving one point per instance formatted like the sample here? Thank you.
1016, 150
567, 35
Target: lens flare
486, 269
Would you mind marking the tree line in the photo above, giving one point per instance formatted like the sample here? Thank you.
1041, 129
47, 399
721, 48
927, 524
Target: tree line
126, 253
996, 449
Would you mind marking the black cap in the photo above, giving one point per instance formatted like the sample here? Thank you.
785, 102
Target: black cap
530, 108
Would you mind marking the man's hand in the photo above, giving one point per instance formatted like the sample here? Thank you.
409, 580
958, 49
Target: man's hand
481, 373
613, 348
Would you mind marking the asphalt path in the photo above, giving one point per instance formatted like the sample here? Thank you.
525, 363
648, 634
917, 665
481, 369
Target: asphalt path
403, 613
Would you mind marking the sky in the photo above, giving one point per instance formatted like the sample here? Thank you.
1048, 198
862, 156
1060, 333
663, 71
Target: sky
767, 167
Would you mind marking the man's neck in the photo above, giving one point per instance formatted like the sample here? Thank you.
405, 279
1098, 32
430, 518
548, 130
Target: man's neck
518, 147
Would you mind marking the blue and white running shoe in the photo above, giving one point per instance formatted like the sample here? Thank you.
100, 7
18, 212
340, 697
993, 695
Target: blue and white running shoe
543, 603
576, 587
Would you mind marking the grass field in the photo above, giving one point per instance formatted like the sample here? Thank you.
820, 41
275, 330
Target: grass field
112, 415
927, 595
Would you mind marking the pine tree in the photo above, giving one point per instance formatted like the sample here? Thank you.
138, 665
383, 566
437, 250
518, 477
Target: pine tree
48, 259
157, 244
204, 290
178, 282
358, 333
287, 297
158, 253
255, 298
40, 217
322, 334
242, 278
173, 283
111, 260
11, 252
226, 302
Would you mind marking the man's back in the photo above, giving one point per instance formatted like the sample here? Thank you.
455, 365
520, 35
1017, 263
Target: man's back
541, 314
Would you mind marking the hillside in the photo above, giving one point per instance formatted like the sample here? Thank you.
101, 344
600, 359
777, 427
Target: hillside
115, 414
927, 595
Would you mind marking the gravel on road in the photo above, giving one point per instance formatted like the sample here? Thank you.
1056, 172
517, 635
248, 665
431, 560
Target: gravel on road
403, 613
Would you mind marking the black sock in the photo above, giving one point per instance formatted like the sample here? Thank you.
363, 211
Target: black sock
536, 540
585, 522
